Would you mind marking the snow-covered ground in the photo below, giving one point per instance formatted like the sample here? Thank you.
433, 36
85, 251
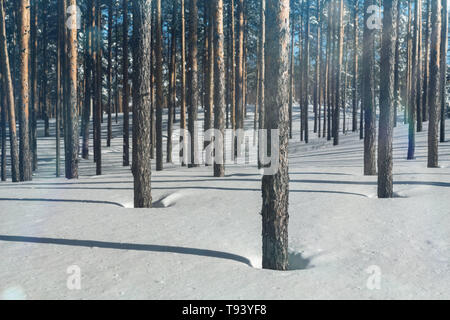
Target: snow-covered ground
202, 240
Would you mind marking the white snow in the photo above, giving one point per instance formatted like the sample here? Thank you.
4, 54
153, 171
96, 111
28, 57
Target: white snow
202, 239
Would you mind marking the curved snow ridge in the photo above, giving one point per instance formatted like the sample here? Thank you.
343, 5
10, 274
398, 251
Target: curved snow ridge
166, 201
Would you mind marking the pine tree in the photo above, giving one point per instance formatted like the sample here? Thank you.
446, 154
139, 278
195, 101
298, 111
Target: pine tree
126, 119
275, 188
219, 87
434, 87
193, 83
387, 100
25, 157
142, 16
159, 88
8, 91
443, 80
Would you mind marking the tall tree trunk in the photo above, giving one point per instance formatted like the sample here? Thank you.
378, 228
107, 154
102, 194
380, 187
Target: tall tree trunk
159, 88
72, 112
397, 65
219, 88
88, 79
142, 16
368, 93
25, 159
98, 106
433, 93
262, 73
183, 136
419, 73
387, 100
240, 66
33, 80
443, 82
291, 78
275, 187
110, 95
355, 99
231, 54
59, 85
415, 76
172, 83
193, 83
209, 68
426, 70
340, 50
317, 76
126, 114
8, 90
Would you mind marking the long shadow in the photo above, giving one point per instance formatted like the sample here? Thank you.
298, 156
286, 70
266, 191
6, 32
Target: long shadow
62, 200
129, 246
420, 183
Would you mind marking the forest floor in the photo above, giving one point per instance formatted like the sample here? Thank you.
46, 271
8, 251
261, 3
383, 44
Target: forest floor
202, 240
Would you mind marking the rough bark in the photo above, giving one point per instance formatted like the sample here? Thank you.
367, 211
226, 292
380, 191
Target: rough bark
141, 102
387, 100
368, 94
159, 88
72, 112
25, 157
193, 83
219, 88
275, 188
433, 88
126, 115
443, 81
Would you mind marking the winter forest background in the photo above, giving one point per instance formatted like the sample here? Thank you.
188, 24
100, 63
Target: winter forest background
101, 196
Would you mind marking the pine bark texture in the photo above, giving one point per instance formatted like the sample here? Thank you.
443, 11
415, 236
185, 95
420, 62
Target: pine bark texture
275, 188
433, 88
142, 16
387, 100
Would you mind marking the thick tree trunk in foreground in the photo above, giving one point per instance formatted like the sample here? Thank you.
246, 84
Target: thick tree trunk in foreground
219, 88
386, 124
25, 159
275, 187
433, 88
141, 102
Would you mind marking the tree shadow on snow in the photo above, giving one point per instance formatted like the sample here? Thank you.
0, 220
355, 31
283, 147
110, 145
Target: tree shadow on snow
62, 200
129, 246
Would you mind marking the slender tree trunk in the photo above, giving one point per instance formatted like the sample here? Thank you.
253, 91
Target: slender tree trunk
193, 83
231, 53
110, 95
262, 73
426, 70
240, 66
397, 65
419, 73
25, 157
317, 77
434, 87
443, 81
142, 16
159, 88
8, 90
355, 67
34, 92
172, 83
72, 112
368, 94
209, 68
291, 79
338, 72
183, 136
387, 100
126, 114
415, 72
219, 88
98, 107
88, 79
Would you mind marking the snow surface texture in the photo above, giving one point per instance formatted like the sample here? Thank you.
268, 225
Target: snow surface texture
202, 239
